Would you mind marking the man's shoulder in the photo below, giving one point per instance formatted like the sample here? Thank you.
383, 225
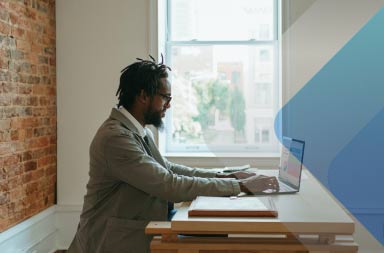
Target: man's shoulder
115, 127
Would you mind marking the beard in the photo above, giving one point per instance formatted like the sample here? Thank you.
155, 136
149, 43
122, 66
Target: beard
154, 118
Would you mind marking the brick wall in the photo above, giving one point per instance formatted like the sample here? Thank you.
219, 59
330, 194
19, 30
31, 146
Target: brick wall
27, 109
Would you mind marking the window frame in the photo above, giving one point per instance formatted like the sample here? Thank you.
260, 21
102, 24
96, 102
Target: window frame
164, 44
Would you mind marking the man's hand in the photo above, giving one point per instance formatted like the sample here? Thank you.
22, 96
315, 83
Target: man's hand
237, 175
259, 183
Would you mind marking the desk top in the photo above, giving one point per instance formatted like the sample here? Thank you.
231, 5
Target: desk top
312, 210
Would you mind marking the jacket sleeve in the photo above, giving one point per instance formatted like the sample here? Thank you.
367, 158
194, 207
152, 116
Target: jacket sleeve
191, 172
184, 170
127, 162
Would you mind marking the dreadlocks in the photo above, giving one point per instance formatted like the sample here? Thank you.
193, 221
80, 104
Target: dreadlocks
142, 75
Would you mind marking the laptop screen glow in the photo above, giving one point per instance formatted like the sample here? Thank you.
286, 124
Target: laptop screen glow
291, 161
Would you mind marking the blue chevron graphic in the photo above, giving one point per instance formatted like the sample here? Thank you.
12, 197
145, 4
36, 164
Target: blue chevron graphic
340, 115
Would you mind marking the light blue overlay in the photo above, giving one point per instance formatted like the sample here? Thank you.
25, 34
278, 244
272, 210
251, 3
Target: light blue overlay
339, 114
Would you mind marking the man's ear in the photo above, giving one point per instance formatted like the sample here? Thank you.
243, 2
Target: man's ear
143, 97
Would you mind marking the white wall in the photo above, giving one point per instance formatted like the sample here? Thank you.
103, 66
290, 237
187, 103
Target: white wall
95, 40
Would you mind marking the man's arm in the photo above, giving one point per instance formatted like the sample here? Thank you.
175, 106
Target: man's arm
188, 171
127, 162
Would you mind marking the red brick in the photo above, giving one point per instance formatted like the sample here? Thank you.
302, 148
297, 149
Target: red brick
5, 148
17, 8
26, 156
14, 182
19, 33
5, 100
50, 170
39, 89
25, 89
32, 101
5, 75
52, 61
4, 198
4, 5
28, 133
29, 122
39, 142
3, 212
4, 15
30, 165
14, 135
19, 146
16, 123
52, 148
15, 170
16, 194
5, 124
44, 161
18, 100
3, 60
8, 88
52, 91
31, 189
53, 139
27, 108
4, 28
12, 159
39, 111
44, 121
37, 174
27, 177
22, 134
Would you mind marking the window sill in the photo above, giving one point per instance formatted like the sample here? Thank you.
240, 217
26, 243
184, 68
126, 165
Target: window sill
225, 155
210, 160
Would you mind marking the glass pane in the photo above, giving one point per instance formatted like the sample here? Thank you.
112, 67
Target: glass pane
213, 89
222, 20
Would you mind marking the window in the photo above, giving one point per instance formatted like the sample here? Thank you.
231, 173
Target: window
224, 60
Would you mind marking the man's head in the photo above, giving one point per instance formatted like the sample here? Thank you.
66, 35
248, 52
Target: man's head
145, 91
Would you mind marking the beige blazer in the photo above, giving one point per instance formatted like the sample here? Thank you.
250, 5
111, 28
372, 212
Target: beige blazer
129, 185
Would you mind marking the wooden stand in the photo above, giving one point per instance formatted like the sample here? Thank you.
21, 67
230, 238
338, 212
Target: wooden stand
309, 221
171, 242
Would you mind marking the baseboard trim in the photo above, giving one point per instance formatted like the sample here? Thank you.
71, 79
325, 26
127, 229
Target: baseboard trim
29, 234
47, 231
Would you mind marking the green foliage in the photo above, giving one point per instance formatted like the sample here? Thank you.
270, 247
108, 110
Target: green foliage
215, 95
237, 110
211, 96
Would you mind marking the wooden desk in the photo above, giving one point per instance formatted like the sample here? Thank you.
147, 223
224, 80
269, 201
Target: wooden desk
309, 221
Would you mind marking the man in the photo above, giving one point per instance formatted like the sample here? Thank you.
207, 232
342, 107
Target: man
130, 182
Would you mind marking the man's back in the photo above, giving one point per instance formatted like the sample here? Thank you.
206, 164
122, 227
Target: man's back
115, 213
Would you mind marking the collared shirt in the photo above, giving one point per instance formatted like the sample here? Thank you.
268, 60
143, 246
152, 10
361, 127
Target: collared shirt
136, 123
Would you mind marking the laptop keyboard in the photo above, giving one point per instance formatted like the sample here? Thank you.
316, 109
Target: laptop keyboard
284, 187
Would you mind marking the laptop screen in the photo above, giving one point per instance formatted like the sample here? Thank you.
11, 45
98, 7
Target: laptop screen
291, 161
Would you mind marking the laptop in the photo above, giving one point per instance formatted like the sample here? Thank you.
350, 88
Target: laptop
290, 168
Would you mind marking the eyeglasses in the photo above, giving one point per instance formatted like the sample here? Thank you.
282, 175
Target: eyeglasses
167, 98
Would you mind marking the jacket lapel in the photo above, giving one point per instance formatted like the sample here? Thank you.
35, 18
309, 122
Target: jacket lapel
154, 151
150, 147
